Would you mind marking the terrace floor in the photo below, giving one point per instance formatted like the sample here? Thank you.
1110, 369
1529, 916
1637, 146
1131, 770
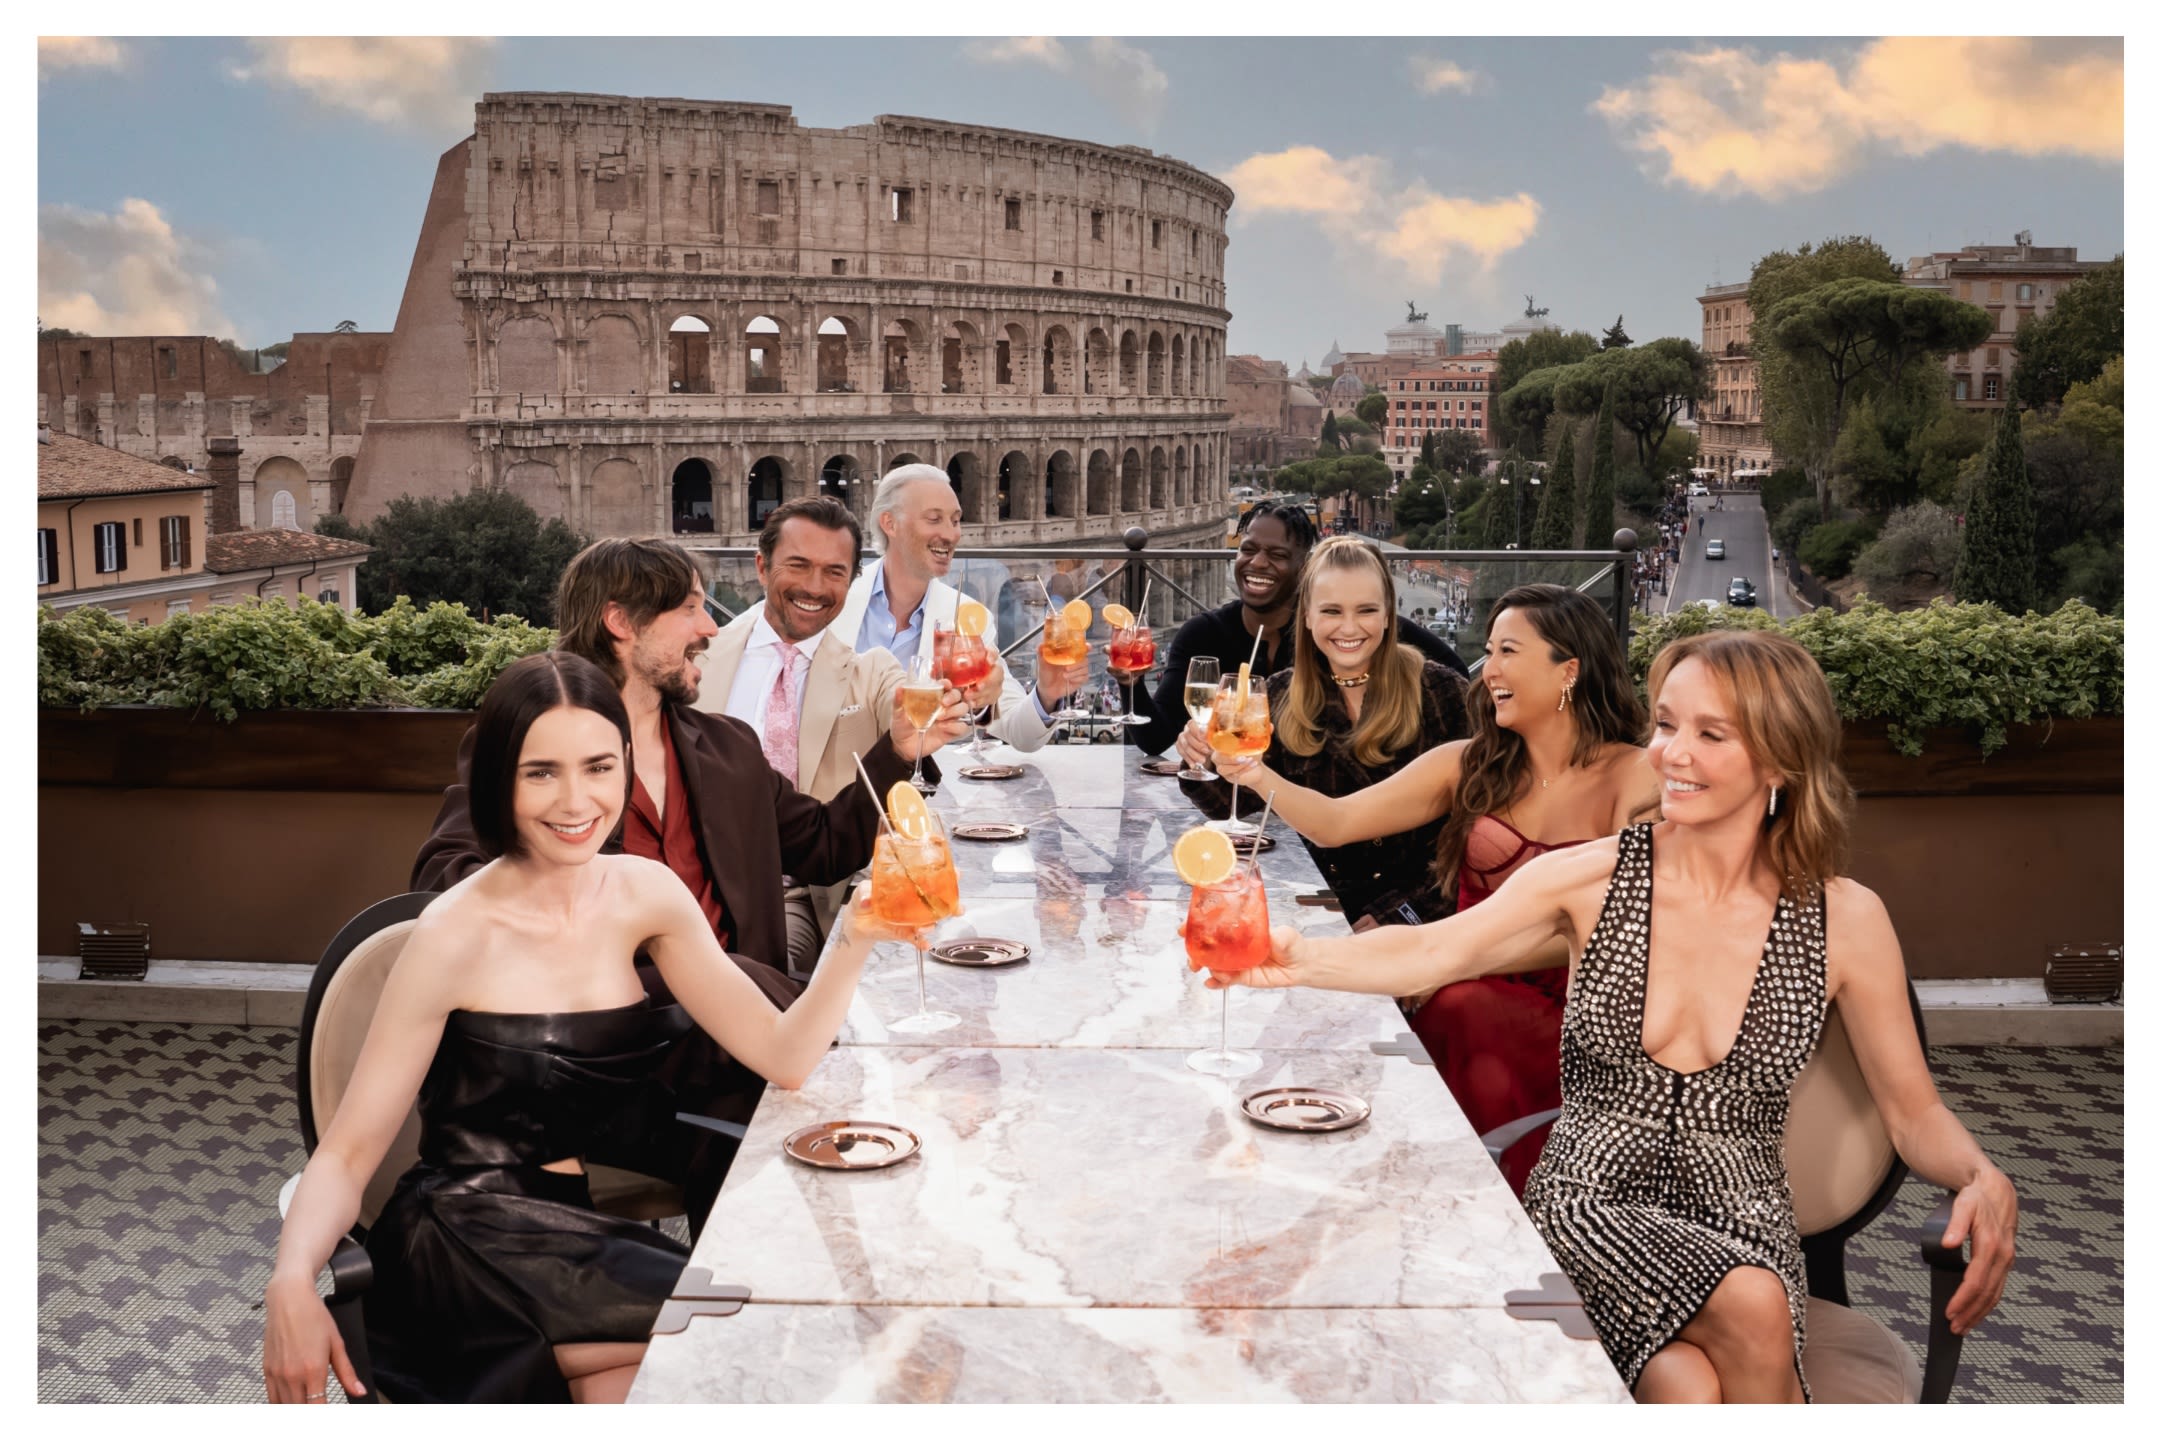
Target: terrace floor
161, 1148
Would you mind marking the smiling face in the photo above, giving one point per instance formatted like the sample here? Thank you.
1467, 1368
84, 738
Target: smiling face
569, 785
1520, 673
1347, 614
923, 530
1268, 564
1696, 747
807, 579
668, 653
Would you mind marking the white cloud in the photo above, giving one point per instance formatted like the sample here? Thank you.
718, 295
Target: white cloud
124, 273
1354, 202
78, 52
1122, 76
1434, 75
421, 81
1727, 119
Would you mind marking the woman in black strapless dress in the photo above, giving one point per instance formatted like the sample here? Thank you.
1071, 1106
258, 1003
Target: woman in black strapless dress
516, 1016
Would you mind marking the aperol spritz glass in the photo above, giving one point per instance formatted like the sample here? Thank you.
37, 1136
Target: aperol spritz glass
913, 886
1226, 930
1239, 724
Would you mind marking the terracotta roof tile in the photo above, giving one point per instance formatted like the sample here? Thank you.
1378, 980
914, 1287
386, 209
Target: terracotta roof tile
261, 549
72, 469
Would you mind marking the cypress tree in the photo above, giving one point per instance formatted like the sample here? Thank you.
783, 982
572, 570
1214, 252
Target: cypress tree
1556, 507
1598, 506
1999, 562
1498, 531
1330, 435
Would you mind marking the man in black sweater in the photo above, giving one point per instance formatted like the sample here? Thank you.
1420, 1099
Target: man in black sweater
1270, 559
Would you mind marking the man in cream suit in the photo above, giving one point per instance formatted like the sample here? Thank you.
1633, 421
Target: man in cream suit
834, 704
902, 597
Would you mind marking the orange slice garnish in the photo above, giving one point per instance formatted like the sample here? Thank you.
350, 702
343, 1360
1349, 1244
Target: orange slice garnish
971, 617
905, 808
1077, 615
1119, 617
1203, 857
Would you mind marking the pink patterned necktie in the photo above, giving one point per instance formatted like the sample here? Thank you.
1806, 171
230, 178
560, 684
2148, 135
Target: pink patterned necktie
781, 721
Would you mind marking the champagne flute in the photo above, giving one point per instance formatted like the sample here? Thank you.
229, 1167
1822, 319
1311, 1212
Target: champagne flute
913, 884
921, 696
1203, 677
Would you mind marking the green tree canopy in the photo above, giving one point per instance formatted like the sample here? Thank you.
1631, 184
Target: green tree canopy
1373, 408
1457, 452
1648, 386
1846, 339
1617, 337
1998, 561
2073, 341
1538, 350
485, 549
2074, 461
1330, 433
1556, 505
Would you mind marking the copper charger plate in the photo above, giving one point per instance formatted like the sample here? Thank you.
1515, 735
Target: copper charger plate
851, 1145
1305, 1108
980, 953
1161, 766
990, 830
1252, 844
992, 772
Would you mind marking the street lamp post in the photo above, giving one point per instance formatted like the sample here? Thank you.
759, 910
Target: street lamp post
1519, 490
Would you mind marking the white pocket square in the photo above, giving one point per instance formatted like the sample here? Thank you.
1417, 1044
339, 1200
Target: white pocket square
847, 710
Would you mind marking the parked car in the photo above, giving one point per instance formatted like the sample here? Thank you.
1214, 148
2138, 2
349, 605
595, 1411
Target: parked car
1715, 550
1698, 488
1740, 592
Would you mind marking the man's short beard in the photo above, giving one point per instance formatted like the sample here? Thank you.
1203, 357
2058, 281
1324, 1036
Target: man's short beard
672, 682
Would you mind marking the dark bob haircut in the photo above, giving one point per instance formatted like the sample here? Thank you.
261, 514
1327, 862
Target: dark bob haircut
520, 695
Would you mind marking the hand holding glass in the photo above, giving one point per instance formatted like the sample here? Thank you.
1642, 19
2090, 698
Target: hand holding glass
913, 885
1238, 725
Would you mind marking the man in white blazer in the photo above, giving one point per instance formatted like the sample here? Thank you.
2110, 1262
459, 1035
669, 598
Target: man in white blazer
901, 598
841, 702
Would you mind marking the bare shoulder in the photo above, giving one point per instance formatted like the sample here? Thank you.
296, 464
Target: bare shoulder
1854, 914
637, 877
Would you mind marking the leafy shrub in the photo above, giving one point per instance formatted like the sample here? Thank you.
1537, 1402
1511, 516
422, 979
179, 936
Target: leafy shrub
1919, 544
273, 656
1969, 666
1794, 521
1782, 487
1828, 549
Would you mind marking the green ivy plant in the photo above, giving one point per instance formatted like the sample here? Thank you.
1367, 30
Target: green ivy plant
1964, 666
279, 656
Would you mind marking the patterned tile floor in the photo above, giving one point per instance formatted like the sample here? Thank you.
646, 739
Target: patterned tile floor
161, 1149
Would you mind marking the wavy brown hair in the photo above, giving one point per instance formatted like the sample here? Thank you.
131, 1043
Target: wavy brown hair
1393, 713
645, 577
1786, 719
1496, 764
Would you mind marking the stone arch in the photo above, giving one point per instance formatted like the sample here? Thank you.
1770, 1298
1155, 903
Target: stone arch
905, 457
840, 477
835, 345
341, 473
281, 475
1128, 364
614, 356
1057, 361
1177, 365
536, 483
616, 502
525, 356
1099, 482
903, 353
765, 356
1016, 486
1158, 479
1180, 479
1095, 366
1154, 363
965, 470
764, 490
690, 356
1009, 374
1132, 488
1061, 487
690, 493
960, 360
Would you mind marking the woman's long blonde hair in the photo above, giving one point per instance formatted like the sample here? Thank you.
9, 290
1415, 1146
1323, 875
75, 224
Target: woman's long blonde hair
1788, 723
1392, 716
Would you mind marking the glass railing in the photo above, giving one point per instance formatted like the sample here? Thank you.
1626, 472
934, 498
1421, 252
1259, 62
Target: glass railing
1450, 592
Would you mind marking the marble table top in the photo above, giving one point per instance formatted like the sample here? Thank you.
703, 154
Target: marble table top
1088, 1219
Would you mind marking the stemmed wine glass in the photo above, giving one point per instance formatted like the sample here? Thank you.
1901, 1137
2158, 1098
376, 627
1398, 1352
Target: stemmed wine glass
922, 695
1239, 724
913, 884
1203, 677
1132, 655
1226, 929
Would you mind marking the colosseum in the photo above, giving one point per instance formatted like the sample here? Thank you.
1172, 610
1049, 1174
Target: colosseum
658, 316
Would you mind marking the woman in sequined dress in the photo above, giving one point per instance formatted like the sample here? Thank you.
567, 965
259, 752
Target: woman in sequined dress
1706, 950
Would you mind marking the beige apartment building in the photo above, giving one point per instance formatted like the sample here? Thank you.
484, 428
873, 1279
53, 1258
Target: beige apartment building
2013, 283
1450, 393
133, 536
1729, 420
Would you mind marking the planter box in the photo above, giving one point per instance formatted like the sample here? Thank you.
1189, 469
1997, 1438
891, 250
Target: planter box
147, 746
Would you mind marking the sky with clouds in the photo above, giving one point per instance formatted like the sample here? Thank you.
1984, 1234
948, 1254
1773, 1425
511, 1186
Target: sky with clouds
252, 188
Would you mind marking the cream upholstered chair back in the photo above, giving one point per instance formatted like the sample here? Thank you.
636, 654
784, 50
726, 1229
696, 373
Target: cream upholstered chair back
1837, 1153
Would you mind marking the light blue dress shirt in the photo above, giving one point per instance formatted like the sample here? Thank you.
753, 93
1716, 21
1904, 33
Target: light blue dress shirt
879, 631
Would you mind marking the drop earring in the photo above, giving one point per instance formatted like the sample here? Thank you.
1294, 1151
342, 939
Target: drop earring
1773, 802
1567, 694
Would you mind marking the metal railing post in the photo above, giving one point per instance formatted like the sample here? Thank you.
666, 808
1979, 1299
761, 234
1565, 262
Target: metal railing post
1136, 539
1624, 583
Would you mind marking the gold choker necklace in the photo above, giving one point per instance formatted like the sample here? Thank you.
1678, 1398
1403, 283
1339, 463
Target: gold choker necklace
1351, 682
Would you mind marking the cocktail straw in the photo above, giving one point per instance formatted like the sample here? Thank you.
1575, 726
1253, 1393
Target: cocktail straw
1145, 590
871, 790
1261, 833
1250, 661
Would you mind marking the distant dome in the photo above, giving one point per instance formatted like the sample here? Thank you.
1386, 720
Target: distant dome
1301, 397
1414, 337
1304, 372
1347, 384
1334, 354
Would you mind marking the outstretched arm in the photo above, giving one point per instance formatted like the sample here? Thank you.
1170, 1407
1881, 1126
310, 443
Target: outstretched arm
1867, 974
1417, 794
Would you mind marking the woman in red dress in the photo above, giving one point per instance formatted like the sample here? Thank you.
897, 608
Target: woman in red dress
1554, 759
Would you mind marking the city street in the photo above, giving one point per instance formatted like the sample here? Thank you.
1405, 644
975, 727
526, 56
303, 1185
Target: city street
1746, 534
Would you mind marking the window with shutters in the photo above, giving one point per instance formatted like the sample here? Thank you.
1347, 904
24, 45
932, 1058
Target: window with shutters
48, 557
1993, 387
109, 547
174, 543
